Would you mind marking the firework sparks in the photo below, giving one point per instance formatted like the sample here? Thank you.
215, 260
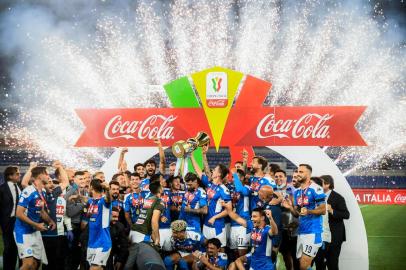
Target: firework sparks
314, 53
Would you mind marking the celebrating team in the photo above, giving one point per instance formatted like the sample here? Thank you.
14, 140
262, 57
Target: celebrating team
238, 218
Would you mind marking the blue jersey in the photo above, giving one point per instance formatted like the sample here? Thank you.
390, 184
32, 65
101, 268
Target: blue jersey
176, 201
165, 199
144, 187
176, 197
277, 217
255, 185
194, 200
221, 261
310, 198
117, 203
261, 243
215, 193
34, 202
132, 205
56, 206
98, 214
193, 241
241, 202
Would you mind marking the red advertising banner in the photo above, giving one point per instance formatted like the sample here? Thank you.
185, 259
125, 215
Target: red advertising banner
380, 196
313, 126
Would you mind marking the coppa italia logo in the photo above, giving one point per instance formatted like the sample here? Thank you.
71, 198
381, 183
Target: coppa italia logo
231, 122
216, 84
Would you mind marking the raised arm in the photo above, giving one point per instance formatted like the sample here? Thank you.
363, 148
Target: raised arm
196, 167
162, 161
64, 176
206, 168
274, 227
122, 165
27, 176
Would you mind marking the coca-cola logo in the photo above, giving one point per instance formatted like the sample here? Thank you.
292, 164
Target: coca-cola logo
400, 199
310, 125
153, 126
217, 102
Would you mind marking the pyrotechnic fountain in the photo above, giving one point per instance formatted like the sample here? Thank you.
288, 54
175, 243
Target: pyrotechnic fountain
110, 55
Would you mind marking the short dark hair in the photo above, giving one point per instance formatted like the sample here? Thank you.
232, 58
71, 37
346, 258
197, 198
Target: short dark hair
154, 187
273, 167
9, 171
281, 171
241, 172
223, 170
137, 165
114, 178
307, 167
80, 173
135, 174
191, 177
35, 172
262, 161
149, 161
260, 210
172, 178
96, 185
329, 180
214, 241
128, 173
114, 182
317, 180
155, 178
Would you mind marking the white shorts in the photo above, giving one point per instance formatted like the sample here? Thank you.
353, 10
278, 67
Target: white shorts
165, 239
209, 233
307, 244
97, 256
137, 237
31, 245
239, 238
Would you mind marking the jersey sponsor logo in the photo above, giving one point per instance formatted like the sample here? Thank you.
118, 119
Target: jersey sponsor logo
190, 196
60, 210
39, 203
148, 203
210, 193
235, 196
256, 237
255, 186
303, 201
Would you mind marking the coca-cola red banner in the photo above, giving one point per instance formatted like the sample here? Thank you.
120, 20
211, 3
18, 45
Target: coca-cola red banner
380, 196
241, 122
319, 126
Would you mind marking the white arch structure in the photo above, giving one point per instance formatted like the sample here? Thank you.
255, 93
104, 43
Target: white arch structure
354, 252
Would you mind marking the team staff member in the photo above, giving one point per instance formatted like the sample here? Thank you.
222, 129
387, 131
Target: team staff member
31, 212
9, 193
337, 212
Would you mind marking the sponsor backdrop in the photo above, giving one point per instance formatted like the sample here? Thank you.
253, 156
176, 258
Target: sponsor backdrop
228, 105
380, 196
